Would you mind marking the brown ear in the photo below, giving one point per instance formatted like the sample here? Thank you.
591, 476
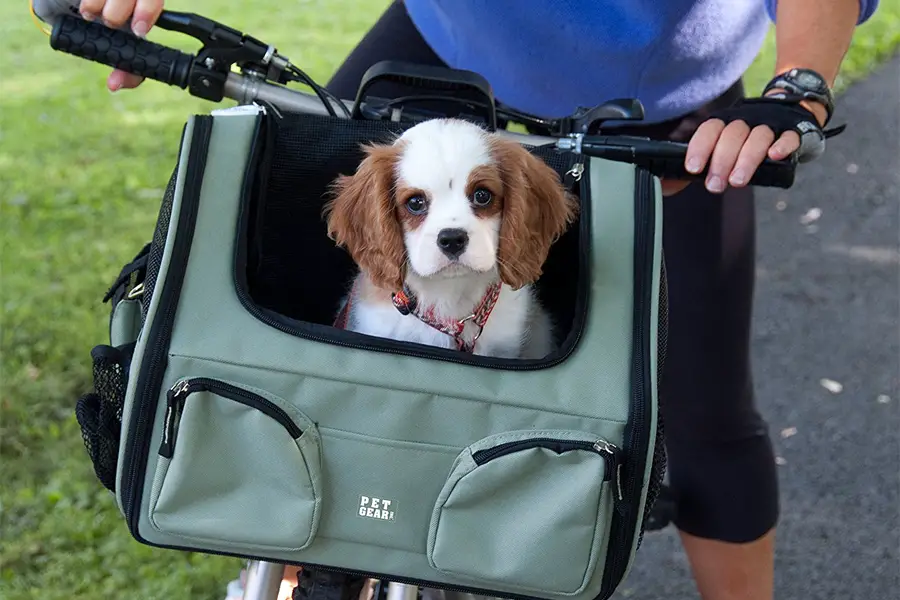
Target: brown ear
537, 210
361, 217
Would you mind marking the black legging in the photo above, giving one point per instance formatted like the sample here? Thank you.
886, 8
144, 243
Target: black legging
721, 464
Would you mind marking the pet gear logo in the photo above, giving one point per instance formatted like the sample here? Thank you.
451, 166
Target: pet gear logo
376, 508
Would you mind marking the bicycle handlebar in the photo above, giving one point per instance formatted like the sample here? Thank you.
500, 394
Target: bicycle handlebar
203, 78
122, 50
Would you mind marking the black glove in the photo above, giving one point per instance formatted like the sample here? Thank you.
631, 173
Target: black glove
781, 115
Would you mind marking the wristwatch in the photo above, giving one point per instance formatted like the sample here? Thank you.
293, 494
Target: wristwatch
803, 84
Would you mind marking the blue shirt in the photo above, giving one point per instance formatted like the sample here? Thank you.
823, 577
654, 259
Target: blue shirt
549, 57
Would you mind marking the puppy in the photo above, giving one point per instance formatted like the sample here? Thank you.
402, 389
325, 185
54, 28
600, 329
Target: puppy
450, 226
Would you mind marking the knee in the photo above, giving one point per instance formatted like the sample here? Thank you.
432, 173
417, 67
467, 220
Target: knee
727, 491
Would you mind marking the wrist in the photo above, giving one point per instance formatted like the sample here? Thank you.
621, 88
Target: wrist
819, 110
808, 87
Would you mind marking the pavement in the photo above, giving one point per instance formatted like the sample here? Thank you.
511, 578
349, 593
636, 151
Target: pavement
826, 348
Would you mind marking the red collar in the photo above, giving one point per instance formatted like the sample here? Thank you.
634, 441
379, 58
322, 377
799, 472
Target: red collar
406, 302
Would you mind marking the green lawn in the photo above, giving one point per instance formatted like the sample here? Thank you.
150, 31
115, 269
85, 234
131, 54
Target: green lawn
81, 177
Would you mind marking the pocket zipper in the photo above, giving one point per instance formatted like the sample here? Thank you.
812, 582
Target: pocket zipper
178, 394
611, 454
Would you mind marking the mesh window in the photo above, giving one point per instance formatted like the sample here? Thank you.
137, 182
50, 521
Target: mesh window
294, 269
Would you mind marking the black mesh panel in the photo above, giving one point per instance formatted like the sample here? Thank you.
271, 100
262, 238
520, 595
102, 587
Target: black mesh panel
99, 413
294, 269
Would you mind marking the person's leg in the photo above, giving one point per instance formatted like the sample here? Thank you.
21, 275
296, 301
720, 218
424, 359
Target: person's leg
721, 463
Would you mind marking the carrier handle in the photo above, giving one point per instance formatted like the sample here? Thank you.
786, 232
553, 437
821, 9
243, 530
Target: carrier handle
430, 78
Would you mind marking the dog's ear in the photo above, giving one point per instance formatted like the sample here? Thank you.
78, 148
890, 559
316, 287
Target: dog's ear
537, 210
362, 218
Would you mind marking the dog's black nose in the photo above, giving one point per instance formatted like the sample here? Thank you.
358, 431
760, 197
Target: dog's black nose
452, 242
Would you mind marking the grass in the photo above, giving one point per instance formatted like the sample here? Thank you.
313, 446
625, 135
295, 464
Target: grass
81, 174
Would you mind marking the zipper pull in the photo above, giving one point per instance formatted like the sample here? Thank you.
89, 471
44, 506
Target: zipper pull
574, 174
615, 462
174, 401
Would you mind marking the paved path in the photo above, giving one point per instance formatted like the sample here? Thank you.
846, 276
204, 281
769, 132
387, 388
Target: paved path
828, 299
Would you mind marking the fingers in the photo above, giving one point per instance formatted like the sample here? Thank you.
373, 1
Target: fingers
91, 9
725, 155
702, 144
734, 152
115, 13
120, 80
751, 155
788, 143
146, 12
670, 187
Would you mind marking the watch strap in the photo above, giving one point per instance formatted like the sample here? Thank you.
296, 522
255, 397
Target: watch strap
787, 81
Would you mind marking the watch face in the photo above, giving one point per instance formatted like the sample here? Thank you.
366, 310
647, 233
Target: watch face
808, 81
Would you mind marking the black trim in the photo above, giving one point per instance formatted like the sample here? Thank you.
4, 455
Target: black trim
153, 367
155, 362
637, 431
482, 457
350, 339
611, 455
178, 394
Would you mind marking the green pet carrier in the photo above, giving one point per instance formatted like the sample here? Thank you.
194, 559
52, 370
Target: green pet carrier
230, 416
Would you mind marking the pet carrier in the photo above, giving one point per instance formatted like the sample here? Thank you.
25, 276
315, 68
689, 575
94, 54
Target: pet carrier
229, 416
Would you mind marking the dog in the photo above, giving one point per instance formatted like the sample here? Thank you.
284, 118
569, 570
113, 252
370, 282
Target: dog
450, 226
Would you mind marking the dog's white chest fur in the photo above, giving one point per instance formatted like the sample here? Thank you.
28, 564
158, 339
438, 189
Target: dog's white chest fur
516, 328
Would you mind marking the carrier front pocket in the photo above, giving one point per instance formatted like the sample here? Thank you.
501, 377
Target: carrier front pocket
528, 509
238, 467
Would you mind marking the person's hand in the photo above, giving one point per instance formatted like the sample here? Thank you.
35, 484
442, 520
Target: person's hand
735, 150
115, 13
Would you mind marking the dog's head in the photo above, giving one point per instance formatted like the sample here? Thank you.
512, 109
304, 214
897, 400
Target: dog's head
447, 199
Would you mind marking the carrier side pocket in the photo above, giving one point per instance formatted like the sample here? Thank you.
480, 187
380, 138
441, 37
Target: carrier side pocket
527, 510
236, 466
99, 413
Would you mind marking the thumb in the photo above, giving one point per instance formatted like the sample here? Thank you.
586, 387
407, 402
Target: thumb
121, 80
670, 187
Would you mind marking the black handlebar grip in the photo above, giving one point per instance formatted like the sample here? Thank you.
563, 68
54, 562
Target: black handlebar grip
121, 50
775, 173
770, 173
666, 160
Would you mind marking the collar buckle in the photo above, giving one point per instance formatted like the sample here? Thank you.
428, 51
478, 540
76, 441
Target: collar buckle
406, 303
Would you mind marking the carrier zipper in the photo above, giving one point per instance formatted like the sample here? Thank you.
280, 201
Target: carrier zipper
389, 346
637, 430
611, 454
178, 394
154, 365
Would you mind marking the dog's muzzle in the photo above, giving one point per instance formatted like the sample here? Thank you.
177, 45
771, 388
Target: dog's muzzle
452, 242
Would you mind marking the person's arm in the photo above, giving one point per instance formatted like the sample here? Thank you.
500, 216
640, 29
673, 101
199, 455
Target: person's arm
814, 34
811, 34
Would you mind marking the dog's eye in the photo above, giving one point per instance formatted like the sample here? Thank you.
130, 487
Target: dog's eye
482, 197
416, 205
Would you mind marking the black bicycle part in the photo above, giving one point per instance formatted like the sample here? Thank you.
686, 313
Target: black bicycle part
432, 78
589, 120
666, 159
204, 76
121, 50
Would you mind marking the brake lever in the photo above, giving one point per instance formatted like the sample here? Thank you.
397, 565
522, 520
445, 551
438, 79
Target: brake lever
223, 47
